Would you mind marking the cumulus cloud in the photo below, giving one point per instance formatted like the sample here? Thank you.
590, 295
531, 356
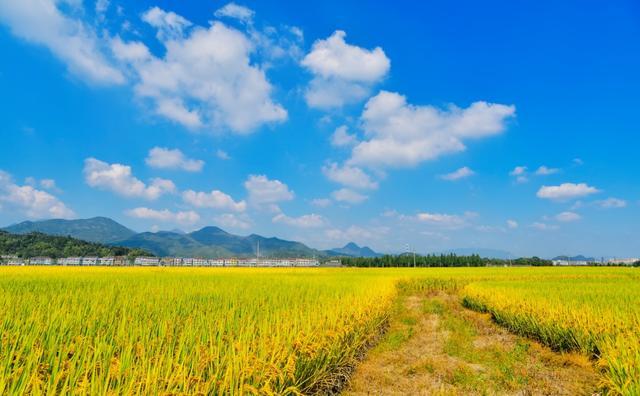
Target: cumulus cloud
164, 158
34, 203
403, 135
215, 199
169, 25
231, 220
49, 184
164, 215
566, 217
119, 179
512, 224
306, 221
262, 190
342, 138
343, 73
566, 191
75, 43
443, 220
321, 202
348, 196
349, 176
357, 234
205, 78
520, 173
544, 171
461, 173
233, 10
611, 203
223, 155
543, 226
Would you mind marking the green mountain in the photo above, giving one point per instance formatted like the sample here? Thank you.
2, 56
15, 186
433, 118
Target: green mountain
165, 243
212, 242
97, 229
37, 244
353, 250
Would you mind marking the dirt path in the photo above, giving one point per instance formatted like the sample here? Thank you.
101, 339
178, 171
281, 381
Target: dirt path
435, 346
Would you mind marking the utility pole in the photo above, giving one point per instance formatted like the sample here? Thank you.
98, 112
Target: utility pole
258, 254
414, 254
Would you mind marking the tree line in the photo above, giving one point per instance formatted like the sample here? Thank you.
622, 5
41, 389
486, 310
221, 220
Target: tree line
442, 260
41, 245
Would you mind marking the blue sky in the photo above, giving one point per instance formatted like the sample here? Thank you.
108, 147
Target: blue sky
445, 125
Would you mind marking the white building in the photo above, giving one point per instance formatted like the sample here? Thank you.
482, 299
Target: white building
200, 262
89, 261
41, 261
623, 261
147, 261
70, 261
105, 261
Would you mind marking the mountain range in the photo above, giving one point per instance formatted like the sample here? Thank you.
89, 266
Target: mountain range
209, 242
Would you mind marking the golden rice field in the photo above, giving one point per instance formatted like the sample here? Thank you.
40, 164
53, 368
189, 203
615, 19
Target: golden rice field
278, 331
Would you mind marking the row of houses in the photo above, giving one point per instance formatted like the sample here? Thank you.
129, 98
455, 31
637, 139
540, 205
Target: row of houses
613, 261
162, 261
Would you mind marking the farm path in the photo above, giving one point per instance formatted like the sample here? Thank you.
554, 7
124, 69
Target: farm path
434, 346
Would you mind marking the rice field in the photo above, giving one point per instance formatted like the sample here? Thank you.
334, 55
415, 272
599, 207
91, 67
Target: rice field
278, 331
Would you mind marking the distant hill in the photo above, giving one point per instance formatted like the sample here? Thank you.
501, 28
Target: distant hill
96, 229
37, 244
212, 242
209, 242
482, 252
575, 258
353, 250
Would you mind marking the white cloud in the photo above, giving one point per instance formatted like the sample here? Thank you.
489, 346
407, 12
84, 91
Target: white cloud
164, 158
566, 217
223, 155
165, 215
205, 78
233, 10
461, 173
349, 176
169, 25
32, 202
119, 179
348, 196
520, 173
543, 226
321, 202
101, 7
404, 135
306, 221
262, 190
342, 138
611, 203
512, 224
343, 73
72, 41
566, 191
544, 171
578, 162
357, 234
49, 184
442, 220
231, 220
215, 199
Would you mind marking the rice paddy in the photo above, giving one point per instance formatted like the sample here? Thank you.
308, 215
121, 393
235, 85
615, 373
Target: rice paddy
279, 331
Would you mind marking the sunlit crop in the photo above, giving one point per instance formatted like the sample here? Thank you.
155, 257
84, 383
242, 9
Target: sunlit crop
283, 331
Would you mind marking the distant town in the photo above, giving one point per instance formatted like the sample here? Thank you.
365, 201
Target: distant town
120, 261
